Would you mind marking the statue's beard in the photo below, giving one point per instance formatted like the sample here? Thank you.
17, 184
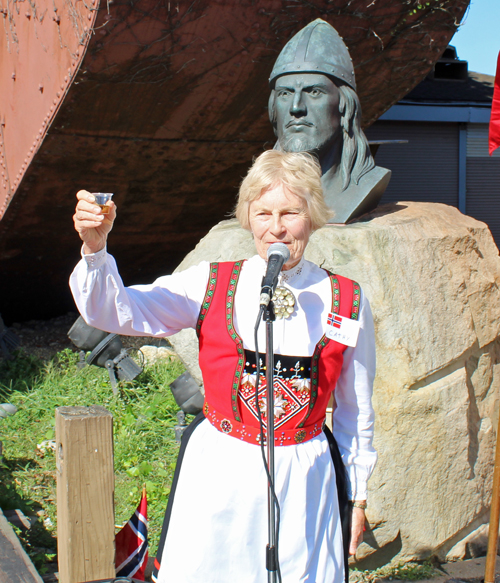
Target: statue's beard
302, 143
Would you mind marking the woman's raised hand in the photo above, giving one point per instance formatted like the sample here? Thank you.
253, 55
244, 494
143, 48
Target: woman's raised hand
91, 224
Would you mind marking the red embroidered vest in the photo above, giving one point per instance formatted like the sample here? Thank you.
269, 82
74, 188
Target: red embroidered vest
222, 355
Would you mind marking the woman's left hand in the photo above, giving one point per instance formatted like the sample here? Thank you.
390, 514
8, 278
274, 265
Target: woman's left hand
357, 527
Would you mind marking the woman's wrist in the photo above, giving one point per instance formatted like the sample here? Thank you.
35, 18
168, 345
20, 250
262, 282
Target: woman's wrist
92, 250
359, 504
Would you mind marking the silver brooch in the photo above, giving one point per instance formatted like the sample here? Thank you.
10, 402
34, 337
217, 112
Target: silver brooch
284, 302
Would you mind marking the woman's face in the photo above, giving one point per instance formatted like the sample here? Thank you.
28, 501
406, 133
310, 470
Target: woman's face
279, 216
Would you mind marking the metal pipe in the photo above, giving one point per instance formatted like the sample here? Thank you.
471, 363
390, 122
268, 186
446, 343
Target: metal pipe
271, 550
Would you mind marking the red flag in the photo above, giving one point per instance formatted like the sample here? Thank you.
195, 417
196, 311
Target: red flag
131, 543
494, 140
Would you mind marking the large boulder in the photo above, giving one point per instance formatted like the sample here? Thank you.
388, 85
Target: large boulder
432, 276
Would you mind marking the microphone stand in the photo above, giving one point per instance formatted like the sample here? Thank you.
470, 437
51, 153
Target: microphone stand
271, 550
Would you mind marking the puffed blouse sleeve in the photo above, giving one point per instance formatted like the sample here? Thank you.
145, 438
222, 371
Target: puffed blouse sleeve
162, 308
353, 417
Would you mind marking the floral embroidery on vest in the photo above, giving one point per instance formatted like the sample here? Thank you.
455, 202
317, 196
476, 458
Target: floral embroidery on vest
235, 274
209, 294
291, 383
356, 292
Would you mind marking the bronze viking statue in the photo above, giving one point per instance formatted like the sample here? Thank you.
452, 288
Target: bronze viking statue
314, 108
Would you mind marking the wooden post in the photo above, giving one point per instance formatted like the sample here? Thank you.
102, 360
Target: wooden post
491, 555
85, 494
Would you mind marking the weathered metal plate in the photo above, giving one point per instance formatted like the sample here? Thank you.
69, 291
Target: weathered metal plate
166, 109
42, 46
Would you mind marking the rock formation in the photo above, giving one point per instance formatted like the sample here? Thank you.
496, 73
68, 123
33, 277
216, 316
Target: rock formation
432, 277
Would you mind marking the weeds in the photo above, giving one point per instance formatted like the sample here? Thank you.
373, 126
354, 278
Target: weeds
412, 571
144, 414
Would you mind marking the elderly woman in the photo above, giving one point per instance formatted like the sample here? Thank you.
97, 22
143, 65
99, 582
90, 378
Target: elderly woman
216, 523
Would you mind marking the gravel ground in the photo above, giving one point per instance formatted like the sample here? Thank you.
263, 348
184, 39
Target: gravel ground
45, 338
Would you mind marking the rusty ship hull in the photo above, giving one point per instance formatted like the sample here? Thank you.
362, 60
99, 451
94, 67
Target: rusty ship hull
164, 104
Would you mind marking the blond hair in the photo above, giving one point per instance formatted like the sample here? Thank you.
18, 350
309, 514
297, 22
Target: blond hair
300, 173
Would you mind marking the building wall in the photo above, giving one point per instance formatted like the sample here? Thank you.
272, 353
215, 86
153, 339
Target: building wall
483, 179
427, 167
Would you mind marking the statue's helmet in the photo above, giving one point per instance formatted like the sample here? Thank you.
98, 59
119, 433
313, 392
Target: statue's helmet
317, 48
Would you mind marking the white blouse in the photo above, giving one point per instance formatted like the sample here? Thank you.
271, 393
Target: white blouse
173, 303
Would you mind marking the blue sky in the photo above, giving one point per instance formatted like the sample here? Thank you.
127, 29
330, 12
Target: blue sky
478, 38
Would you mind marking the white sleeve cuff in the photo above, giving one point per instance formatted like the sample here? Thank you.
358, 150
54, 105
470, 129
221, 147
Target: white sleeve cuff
358, 491
95, 260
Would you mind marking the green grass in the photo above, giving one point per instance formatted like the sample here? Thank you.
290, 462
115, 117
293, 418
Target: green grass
144, 414
412, 571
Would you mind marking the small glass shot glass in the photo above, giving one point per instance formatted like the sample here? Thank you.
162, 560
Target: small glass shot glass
101, 198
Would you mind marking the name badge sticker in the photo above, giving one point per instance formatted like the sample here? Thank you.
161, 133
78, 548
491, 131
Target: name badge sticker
343, 330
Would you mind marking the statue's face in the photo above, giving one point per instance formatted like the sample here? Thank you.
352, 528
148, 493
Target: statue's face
307, 112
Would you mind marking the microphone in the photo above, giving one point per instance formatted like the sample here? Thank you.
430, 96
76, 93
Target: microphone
277, 255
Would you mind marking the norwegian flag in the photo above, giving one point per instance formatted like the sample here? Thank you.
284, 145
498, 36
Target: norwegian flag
494, 138
131, 543
334, 320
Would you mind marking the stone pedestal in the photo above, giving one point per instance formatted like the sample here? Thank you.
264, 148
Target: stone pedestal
432, 276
